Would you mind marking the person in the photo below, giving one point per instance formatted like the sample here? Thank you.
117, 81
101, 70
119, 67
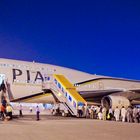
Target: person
20, 111
123, 114
100, 116
65, 112
129, 114
4, 102
97, 110
80, 111
110, 114
117, 113
135, 114
37, 113
87, 112
138, 115
53, 110
91, 112
56, 109
104, 113
3, 94
9, 111
84, 110
31, 109
3, 112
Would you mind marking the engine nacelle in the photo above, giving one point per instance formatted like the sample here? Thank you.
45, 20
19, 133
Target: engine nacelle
113, 101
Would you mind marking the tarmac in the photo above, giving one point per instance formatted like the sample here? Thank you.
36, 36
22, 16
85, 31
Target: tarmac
66, 128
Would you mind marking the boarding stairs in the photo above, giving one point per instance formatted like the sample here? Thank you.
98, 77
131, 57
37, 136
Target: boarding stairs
64, 92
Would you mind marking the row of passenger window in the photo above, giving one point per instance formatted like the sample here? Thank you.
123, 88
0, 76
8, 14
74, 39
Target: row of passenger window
85, 86
26, 67
65, 93
27, 81
14, 65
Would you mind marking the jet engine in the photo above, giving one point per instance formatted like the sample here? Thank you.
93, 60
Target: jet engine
113, 101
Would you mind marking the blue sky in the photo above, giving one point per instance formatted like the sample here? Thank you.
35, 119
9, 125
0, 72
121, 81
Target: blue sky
95, 36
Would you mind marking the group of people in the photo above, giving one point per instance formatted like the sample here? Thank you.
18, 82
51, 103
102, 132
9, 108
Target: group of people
5, 107
129, 114
5, 112
31, 109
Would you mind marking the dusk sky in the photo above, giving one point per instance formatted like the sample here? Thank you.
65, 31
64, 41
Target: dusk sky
95, 36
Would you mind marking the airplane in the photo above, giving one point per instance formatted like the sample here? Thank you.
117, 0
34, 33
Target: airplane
24, 84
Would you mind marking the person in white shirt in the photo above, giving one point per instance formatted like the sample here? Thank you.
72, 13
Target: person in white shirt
117, 113
123, 114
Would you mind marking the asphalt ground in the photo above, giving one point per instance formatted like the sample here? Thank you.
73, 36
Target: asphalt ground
63, 128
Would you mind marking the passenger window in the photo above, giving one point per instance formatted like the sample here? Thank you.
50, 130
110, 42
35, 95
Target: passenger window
55, 81
70, 98
59, 85
65, 94
74, 104
62, 90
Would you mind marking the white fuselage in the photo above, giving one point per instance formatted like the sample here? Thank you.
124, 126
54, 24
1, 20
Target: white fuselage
25, 78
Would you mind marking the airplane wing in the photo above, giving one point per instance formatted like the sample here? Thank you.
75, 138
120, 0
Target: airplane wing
110, 91
36, 98
95, 96
135, 90
97, 93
